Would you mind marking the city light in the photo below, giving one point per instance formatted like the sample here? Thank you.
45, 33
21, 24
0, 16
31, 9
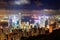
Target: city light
3, 20
45, 10
14, 18
19, 2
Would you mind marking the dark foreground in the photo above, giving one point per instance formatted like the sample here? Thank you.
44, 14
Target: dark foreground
55, 35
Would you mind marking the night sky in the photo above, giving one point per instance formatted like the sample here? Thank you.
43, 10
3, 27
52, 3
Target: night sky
34, 5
